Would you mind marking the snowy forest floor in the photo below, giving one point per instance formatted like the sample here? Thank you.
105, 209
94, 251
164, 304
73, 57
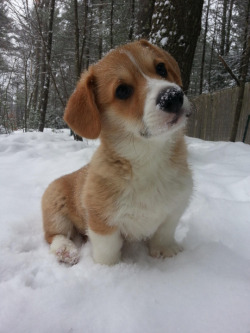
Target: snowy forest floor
204, 289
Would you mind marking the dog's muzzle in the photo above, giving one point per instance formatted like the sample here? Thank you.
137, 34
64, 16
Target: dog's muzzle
170, 100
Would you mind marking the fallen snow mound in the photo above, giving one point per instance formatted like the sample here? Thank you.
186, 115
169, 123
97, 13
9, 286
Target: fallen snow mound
204, 289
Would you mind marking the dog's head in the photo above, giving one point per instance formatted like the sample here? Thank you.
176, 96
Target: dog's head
135, 88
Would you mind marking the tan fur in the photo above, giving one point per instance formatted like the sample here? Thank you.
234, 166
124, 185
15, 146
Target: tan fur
61, 206
81, 111
87, 199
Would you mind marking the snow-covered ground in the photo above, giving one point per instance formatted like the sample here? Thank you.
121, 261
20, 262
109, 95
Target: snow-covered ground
204, 289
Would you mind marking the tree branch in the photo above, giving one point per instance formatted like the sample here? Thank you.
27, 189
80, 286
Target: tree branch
229, 70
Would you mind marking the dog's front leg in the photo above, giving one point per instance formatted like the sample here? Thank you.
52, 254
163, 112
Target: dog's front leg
106, 248
162, 244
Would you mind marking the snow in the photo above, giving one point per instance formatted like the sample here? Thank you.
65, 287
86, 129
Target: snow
206, 288
164, 41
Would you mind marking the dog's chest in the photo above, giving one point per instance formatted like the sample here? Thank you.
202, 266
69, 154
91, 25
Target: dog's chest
151, 196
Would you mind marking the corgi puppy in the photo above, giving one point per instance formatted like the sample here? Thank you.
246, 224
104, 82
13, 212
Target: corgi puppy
138, 183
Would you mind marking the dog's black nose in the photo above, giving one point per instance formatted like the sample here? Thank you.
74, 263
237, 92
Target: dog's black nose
170, 100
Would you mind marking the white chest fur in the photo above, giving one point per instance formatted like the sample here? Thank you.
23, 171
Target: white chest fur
158, 191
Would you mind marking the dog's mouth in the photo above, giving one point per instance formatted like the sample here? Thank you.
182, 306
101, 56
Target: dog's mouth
145, 132
183, 114
163, 126
175, 119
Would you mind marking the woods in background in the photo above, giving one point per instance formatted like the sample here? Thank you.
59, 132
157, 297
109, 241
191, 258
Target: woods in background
46, 44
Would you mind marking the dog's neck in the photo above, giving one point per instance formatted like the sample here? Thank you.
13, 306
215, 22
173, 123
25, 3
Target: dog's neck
138, 150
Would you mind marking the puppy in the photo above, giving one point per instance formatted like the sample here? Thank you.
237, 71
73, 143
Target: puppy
138, 183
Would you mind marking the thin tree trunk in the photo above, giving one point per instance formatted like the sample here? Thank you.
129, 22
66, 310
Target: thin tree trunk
212, 49
84, 34
6, 120
111, 24
144, 17
204, 48
45, 91
77, 53
229, 27
42, 78
26, 95
131, 29
243, 76
89, 39
77, 47
100, 41
66, 94
36, 85
223, 28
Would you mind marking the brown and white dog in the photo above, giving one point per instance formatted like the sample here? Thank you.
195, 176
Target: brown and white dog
138, 183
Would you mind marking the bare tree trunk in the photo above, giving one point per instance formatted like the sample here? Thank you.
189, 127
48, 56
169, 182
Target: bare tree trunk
42, 79
6, 121
77, 54
45, 89
89, 39
66, 94
26, 95
100, 30
37, 67
144, 18
212, 49
243, 75
229, 27
131, 29
204, 48
77, 50
84, 34
111, 24
223, 28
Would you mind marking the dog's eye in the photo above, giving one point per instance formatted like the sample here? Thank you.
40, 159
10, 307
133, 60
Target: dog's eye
123, 91
161, 70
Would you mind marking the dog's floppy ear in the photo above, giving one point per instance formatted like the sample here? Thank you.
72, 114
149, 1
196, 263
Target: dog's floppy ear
145, 43
81, 113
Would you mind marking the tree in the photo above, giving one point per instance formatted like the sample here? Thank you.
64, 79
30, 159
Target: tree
37, 79
176, 26
100, 33
6, 69
111, 24
228, 31
132, 23
204, 47
47, 44
223, 28
227, 16
5, 29
144, 18
77, 42
243, 73
212, 46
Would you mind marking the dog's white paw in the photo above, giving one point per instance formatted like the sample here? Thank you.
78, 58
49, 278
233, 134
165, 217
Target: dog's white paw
165, 251
65, 250
67, 255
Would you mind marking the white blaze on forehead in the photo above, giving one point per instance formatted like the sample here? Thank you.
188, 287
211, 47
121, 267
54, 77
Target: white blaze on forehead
132, 59
152, 84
